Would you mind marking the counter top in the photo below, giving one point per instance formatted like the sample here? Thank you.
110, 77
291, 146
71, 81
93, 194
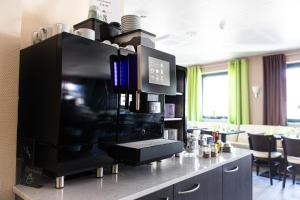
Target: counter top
131, 182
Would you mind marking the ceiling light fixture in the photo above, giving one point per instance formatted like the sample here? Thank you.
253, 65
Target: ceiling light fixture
192, 34
222, 24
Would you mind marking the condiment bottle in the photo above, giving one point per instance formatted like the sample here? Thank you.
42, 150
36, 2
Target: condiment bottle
214, 150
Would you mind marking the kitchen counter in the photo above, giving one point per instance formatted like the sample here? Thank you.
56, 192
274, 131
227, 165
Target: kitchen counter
131, 182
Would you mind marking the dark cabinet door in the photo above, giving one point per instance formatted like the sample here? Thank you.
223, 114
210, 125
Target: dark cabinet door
237, 180
164, 194
207, 186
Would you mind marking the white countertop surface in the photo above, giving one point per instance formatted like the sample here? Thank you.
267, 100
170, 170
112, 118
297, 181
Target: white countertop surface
131, 182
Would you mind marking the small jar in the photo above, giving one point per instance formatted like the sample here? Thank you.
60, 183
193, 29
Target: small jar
214, 150
191, 143
206, 152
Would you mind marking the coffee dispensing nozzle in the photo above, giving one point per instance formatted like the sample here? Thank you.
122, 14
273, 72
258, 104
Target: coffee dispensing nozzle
137, 100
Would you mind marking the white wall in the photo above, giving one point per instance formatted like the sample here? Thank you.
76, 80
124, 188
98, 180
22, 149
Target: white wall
256, 79
10, 31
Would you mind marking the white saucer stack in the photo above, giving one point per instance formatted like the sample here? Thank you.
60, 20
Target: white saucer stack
130, 23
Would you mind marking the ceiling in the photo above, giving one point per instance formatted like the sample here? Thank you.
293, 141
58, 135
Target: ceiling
205, 31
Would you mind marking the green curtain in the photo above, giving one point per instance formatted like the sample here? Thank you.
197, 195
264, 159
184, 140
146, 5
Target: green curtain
238, 92
194, 94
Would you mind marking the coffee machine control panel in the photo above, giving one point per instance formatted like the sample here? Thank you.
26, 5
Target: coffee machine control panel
154, 107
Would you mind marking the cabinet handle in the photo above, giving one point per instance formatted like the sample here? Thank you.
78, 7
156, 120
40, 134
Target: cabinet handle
191, 191
232, 170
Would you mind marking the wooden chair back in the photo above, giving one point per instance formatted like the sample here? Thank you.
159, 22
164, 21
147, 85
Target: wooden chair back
263, 143
291, 147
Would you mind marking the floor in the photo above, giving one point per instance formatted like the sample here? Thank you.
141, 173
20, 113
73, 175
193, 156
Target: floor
263, 191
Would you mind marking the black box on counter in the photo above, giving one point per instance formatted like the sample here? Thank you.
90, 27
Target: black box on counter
146, 151
103, 30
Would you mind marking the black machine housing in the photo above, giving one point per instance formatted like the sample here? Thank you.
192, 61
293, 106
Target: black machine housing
71, 114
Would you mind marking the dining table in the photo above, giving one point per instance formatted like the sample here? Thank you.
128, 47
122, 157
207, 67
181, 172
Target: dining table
223, 132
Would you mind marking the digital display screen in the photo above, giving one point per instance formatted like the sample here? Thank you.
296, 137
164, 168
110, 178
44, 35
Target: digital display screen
159, 71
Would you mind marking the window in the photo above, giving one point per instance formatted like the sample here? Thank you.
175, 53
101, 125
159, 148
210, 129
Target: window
215, 95
293, 94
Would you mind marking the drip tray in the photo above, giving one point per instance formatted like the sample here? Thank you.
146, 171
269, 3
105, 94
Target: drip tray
146, 151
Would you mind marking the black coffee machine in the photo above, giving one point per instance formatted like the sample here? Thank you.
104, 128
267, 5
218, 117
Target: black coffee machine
84, 105
142, 79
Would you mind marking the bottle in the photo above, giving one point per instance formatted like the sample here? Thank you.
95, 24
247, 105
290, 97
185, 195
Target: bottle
218, 146
94, 10
217, 141
214, 150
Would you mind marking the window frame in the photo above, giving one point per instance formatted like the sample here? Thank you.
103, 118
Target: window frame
211, 118
289, 66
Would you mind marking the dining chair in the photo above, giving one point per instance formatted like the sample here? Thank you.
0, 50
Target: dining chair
291, 149
264, 151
